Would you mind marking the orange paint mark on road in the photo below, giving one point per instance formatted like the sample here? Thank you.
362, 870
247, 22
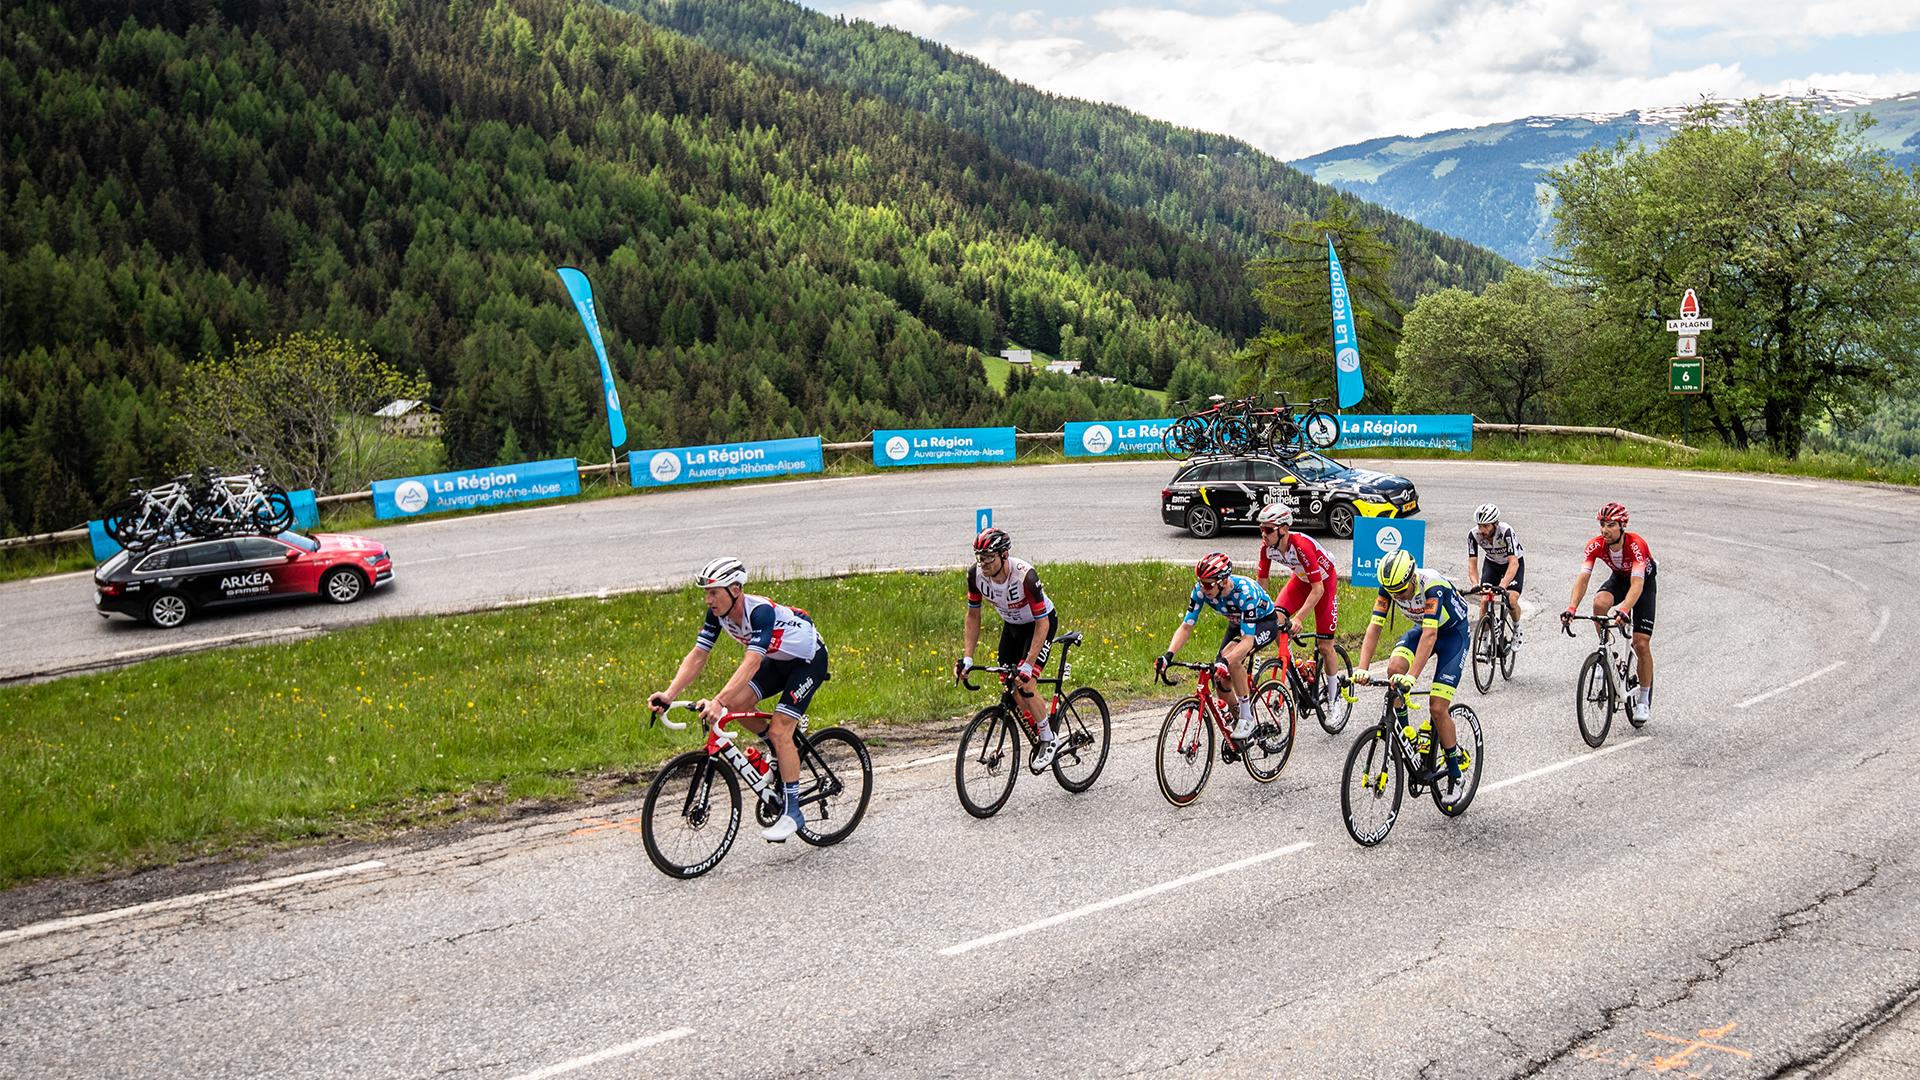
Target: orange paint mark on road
1706, 1040
595, 825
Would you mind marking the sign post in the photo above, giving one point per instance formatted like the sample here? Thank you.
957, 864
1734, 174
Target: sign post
1686, 373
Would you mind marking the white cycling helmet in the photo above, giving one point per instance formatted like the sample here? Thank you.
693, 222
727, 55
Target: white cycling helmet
722, 572
1486, 514
1277, 514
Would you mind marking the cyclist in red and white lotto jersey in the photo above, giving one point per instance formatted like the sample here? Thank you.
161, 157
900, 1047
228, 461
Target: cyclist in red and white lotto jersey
1629, 591
1313, 582
1027, 626
785, 655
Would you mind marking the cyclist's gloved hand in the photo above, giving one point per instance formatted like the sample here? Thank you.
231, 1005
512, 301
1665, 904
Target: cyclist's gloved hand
1363, 677
658, 702
1403, 681
1566, 617
710, 709
961, 667
1160, 662
1027, 670
1619, 615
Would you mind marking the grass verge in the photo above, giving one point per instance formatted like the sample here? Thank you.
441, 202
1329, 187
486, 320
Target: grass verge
412, 721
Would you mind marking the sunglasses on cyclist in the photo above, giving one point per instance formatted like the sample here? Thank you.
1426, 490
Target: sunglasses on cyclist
984, 556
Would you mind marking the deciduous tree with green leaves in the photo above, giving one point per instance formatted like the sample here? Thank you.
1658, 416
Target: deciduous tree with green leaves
301, 404
1501, 355
1800, 240
1294, 350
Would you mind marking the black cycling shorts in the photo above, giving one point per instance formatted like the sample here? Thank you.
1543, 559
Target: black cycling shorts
1017, 638
1264, 631
1491, 572
794, 680
1618, 584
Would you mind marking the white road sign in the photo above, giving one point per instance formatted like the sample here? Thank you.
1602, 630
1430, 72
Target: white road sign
1689, 326
1689, 346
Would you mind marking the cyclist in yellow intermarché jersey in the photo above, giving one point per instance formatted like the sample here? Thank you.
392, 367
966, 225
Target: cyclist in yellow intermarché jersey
1439, 633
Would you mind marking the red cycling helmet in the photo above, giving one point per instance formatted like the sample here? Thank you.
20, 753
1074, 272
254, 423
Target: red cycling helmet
1213, 566
1613, 513
992, 540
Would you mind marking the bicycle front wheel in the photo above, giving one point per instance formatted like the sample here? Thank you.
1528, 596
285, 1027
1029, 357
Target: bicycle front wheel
1593, 699
1371, 787
1484, 661
1084, 723
988, 762
1321, 429
688, 825
1266, 753
1231, 435
1187, 437
1184, 756
836, 780
1453, 801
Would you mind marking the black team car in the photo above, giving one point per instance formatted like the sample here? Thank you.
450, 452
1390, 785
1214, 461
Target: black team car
1208, 494
166, 586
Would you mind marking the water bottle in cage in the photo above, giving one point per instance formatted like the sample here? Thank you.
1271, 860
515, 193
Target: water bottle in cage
758, 759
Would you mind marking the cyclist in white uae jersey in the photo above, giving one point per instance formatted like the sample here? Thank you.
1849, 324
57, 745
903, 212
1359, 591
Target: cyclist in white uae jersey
1495, 557
784, 655
1027, 625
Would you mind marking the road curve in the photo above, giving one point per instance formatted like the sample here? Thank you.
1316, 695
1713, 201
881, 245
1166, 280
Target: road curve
1729, 894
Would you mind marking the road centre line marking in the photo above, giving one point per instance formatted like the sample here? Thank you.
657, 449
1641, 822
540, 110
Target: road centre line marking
71, 922
915, 510
691, 528
491, 551
1885, 614
917, 762
605, 1055
1842, 575
1137, 894
1778, 690
1567, 764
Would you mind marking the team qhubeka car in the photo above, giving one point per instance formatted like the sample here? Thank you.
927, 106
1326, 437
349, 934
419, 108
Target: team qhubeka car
785, 654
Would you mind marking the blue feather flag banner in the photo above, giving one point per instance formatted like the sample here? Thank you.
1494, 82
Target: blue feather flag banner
581, 290
1346, 343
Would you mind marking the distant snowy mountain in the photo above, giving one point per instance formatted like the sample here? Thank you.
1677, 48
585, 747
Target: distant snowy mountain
1483, 184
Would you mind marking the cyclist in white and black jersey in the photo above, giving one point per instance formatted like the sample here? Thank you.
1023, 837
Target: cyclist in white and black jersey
784, 655
1028, 624
1495, 557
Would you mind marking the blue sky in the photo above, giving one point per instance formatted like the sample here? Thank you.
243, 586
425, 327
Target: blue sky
1295, 77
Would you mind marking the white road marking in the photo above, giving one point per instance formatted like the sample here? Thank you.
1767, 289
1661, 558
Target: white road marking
71, 922
916, 510
494, 515
1778, 690
1567, 764
605, 1055
1746, 479
1138, 894
1885, 614
1841, 574
690, 528
69, 575
225, 639
916, 763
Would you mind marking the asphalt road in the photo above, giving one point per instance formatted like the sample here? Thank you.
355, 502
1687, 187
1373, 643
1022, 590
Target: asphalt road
1732, 893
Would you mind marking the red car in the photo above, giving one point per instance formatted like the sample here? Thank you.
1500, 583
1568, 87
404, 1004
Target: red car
166, 586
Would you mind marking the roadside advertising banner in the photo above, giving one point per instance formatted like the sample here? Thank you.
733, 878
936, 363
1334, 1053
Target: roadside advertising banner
943, 446
724, 461
1375, 538
1448, 432
413, 496
1107, 437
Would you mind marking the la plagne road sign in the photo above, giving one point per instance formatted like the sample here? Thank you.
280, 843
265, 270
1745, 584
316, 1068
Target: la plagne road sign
1689, 326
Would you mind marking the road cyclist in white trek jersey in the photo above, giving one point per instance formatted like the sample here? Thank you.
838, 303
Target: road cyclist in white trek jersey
1252, 624
1495, 557
785, 655
1028, 623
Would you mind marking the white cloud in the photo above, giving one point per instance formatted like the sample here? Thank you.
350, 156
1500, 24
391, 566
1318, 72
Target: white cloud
913, 16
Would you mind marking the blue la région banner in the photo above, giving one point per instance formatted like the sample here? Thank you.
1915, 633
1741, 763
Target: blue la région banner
1375, 538
1101, 438
724, 461
1453, 431
943, 446
412, 496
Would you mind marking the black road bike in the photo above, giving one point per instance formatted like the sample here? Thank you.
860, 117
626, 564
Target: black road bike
990, 758
688, 821
1607, 680
1492, 639
1305, 683
1388, 759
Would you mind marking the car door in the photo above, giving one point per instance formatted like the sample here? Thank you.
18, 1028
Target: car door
264, 555
204, 570
1230, 491
1273, 484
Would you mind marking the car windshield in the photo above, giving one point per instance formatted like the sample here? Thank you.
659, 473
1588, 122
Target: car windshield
1312, 466
304, 543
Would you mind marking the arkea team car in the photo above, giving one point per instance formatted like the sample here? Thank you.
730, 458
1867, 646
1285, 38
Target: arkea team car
165, 587
1209, 494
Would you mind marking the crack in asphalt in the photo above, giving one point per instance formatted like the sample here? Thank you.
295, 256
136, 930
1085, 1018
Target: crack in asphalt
1718, 964
231, 991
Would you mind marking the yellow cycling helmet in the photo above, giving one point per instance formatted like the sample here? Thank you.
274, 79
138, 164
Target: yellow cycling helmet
1396, 571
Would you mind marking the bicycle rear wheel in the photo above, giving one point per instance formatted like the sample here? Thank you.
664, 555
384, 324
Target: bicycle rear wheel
836, 780
1371, 787
1084, 723
1593, 699
1272, 744
1484, 660
1508, 628
1187, 437
1232, 435
1466, 738
1321, 429
988, 762
685, 832
1184, 755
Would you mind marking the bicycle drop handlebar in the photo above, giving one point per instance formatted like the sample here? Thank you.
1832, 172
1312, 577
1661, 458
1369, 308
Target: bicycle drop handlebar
719, 726
1609, 620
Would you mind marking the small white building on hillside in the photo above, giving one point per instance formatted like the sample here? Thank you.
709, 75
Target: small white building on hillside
409, 419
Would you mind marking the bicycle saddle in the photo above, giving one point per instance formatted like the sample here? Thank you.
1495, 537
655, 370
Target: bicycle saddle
1070, 638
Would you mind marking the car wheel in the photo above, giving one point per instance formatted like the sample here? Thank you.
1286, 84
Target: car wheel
342, 585
1340, 520
1203, 522
168, 610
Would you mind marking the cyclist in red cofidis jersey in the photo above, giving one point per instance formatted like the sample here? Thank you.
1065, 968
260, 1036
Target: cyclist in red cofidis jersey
1313, 583
1628, 591
784, 655
1028, 622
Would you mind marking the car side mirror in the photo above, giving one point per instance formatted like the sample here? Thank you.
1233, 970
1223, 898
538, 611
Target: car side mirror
292, 554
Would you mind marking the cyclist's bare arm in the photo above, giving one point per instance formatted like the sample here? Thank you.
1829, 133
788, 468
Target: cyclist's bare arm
972, 633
